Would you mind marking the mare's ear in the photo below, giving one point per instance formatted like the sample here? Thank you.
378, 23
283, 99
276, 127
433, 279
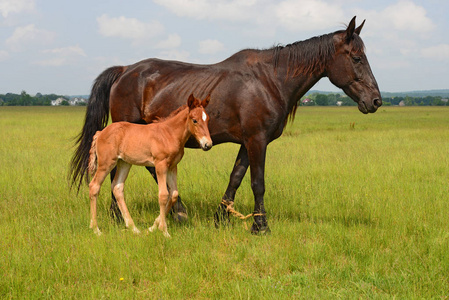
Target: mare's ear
358, 29
205, 102
350, 30
191, 102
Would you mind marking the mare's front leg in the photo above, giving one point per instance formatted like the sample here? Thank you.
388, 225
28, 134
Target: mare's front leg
118, 187
114, 210
178, 210
238, 172
257, 148
160, 221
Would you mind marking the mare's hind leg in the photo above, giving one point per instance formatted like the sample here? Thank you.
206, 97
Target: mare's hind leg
178, 211
239, 171
118, 186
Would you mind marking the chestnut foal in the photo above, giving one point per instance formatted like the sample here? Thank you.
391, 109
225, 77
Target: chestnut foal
159, 144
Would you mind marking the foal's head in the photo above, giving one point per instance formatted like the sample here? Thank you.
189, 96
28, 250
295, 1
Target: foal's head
198, 121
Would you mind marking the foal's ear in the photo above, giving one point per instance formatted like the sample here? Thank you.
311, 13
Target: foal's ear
205, 102
191, 102
350, 30
358, 29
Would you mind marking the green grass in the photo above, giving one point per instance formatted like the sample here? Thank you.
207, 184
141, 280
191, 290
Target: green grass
354, 213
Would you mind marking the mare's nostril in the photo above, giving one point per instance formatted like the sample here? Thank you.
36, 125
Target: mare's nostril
377, 102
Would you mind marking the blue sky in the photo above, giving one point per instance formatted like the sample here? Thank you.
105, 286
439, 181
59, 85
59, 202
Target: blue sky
59, 46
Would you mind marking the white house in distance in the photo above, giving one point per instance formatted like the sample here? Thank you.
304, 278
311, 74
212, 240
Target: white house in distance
73, 101
57, 101
77, 101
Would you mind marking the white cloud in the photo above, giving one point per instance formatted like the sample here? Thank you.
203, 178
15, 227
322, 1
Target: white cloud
174, 54
61, 56
27, 35
128, 28
439, 52
3, 55
15, 6
67, 51
398, 19
267, 14
406, 15
232, 10
210, 47
308, 14
173, 41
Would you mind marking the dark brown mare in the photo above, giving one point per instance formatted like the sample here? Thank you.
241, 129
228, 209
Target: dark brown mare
253, 92
159, 145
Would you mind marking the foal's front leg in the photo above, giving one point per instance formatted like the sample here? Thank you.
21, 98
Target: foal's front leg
178, 210
160, 221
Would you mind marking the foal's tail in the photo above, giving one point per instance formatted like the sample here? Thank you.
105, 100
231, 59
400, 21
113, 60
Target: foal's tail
93, 155
97, 115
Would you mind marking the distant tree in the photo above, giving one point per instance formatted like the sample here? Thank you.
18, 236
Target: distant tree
321, 100
25, 99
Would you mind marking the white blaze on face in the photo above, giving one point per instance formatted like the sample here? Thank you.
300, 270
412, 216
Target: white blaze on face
204, 116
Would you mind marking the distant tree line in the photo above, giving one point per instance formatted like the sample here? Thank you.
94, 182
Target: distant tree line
318, 99
24, 99
314, 99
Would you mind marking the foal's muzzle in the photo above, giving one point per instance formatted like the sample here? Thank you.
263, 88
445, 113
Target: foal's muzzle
205, 143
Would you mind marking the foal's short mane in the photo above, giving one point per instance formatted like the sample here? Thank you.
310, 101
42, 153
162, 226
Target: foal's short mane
311, 55
173, 113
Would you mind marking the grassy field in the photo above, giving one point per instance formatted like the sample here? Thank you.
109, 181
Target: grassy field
358, 212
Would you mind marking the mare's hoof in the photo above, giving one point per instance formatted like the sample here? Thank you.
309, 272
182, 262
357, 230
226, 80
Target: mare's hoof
221, 217
260, 230
179, 212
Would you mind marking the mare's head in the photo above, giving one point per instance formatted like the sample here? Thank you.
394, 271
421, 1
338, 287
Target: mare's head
198, 121
349, 69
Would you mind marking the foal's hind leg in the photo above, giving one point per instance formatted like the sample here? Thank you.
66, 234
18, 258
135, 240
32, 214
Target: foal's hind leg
118, 186
94, 190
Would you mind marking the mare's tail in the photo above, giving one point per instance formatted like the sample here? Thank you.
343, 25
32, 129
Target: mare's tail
97, 115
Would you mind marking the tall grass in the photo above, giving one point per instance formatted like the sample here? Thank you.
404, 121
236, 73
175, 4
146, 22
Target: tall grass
355, 212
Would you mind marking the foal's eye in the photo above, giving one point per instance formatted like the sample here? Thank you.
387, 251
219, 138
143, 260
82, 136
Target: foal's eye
194, 121
356, 59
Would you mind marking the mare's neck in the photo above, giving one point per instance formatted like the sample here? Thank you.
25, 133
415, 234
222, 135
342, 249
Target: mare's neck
299, 66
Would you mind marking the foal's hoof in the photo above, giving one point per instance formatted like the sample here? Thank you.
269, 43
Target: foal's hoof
136, 230
179, 212
97, 231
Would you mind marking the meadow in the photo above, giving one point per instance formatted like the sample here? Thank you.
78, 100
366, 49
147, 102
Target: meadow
357, 204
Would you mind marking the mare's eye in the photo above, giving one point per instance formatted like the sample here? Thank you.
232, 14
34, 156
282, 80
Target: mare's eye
356, 59
194, 121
